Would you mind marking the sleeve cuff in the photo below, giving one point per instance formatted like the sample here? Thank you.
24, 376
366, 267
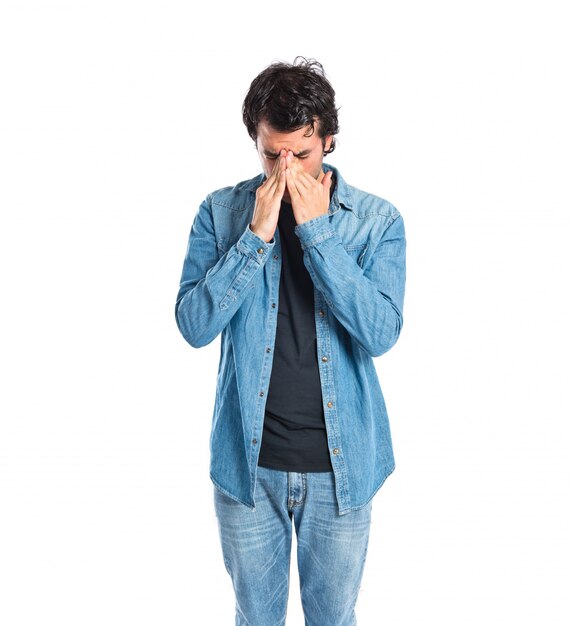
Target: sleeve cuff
314, 231
254, 246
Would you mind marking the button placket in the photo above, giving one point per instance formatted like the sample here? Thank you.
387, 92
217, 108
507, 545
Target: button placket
328, 390
258, 422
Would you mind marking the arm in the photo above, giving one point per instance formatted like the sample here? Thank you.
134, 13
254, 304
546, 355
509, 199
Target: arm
212, 289
368, 302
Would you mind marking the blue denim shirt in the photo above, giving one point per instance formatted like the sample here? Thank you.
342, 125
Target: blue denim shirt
355, 255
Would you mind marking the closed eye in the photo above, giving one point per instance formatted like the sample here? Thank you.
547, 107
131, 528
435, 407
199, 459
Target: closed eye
273, 158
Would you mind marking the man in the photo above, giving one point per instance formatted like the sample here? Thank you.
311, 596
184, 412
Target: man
303, 275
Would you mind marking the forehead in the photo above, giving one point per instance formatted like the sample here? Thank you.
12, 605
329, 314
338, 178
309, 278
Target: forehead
273, 140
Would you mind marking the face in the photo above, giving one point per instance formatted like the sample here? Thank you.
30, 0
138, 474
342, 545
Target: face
307, 151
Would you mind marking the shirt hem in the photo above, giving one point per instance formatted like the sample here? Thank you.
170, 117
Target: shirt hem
231, 495
364, 504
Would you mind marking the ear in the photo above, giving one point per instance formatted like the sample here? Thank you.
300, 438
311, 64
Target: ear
328, 140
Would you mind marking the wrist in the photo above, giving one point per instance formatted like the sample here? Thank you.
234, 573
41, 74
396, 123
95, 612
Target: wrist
259, 234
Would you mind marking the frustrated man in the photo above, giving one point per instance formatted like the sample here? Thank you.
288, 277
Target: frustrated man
303, 275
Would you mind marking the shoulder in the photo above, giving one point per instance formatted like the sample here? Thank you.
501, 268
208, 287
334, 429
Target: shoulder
365, 204
233, 195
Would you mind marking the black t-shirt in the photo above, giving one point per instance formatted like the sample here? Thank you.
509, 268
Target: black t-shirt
294, 437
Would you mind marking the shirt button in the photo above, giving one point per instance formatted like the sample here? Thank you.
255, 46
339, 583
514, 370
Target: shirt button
254, 441
273, 305
261, 393
335, 451
276, 257
330, 404
324, 358
261, 250
268, 349
321, 313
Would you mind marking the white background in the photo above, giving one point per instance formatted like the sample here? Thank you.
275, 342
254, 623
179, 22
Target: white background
116, 119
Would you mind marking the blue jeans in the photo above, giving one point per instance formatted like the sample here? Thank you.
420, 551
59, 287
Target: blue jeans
256, 547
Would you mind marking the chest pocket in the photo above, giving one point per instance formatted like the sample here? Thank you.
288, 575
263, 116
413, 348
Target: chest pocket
356, 251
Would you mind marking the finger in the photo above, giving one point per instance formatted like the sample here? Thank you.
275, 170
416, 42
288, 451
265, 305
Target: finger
279, 167
281, 162
281, 184
291, 184
304, 181
326, 182
278, 163
267, 182
290, 161
276, 191
274, 177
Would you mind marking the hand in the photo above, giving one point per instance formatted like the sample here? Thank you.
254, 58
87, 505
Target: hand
268, 200
309, 196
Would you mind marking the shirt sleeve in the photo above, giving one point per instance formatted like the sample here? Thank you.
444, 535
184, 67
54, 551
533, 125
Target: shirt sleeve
212, 288
367, 301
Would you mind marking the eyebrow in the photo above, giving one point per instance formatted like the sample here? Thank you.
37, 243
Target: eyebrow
299, 154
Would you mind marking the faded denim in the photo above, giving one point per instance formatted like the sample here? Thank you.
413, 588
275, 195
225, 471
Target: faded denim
256, 547
355, 255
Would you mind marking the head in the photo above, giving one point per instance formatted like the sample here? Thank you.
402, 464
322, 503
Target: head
292, 106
